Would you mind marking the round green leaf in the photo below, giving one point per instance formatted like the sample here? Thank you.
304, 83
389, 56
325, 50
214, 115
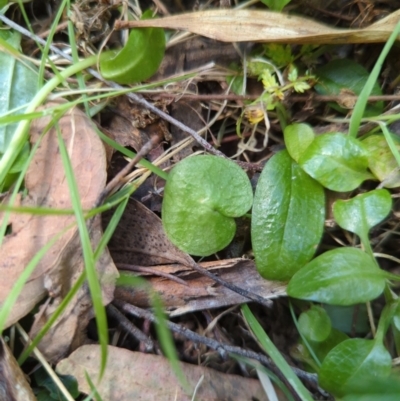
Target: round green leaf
337, 161
315, 324
381, 160
287, 219
352, 361
346, 76
297, 139
202, 196
362, 212
343, 276
138, 60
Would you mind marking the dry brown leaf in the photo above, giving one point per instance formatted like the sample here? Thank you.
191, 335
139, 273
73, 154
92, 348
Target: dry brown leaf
137, 376
201, 292
139, 239
13, 384
47, 186
231, 25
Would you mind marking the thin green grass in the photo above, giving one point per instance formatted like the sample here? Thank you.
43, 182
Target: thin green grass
362, 100
88, 255
275, 355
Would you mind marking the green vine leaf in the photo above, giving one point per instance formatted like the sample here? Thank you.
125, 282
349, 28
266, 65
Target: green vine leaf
351, 362
287, 219
343, 276
139, 59
363, 212
202, 196
337, 161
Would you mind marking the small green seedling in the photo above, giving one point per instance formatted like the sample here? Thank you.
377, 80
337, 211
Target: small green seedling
202, 197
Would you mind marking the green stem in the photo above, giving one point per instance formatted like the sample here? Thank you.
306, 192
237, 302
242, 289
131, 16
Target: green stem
363, 98
20, 135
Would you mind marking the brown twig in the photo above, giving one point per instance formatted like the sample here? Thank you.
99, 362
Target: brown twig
223, 349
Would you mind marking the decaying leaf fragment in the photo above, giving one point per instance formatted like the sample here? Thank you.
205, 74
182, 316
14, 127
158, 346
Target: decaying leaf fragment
47, 186
232, 25
134, 375
13, 384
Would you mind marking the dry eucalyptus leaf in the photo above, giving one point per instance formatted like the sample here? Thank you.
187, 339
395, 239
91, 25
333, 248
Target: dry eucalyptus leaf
137, 376
13, 384
68, 332
139, 239
201, 292
230, 25
47, 186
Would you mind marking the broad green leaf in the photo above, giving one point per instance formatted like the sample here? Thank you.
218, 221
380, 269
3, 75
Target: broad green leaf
352, 361
343, 276
298, 137
363, 212
202, 196
381, 160
287, 219
375, 389
315, 324
276, 5
138, 60
346, 76
18, 85
337, 161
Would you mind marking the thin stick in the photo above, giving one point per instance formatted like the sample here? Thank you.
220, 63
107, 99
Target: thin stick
222, 349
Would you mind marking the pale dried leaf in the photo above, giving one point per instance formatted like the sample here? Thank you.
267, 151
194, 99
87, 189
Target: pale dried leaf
13, 384
147, 377
229, 25
201, 292
47, 186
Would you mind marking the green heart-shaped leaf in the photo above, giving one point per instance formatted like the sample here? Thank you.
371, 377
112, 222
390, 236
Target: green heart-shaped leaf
315, 324
352, 361
337, 161
343, 276
287, 219
362, 212
139, 59
202, 196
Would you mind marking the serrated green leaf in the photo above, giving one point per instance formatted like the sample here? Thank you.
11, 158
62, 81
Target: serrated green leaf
315, 324
202, 196
348, 76
298, 138
138, 60
381, 160
287, 219
337, 161
18, 85
343, 276
363, 212
352, 361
